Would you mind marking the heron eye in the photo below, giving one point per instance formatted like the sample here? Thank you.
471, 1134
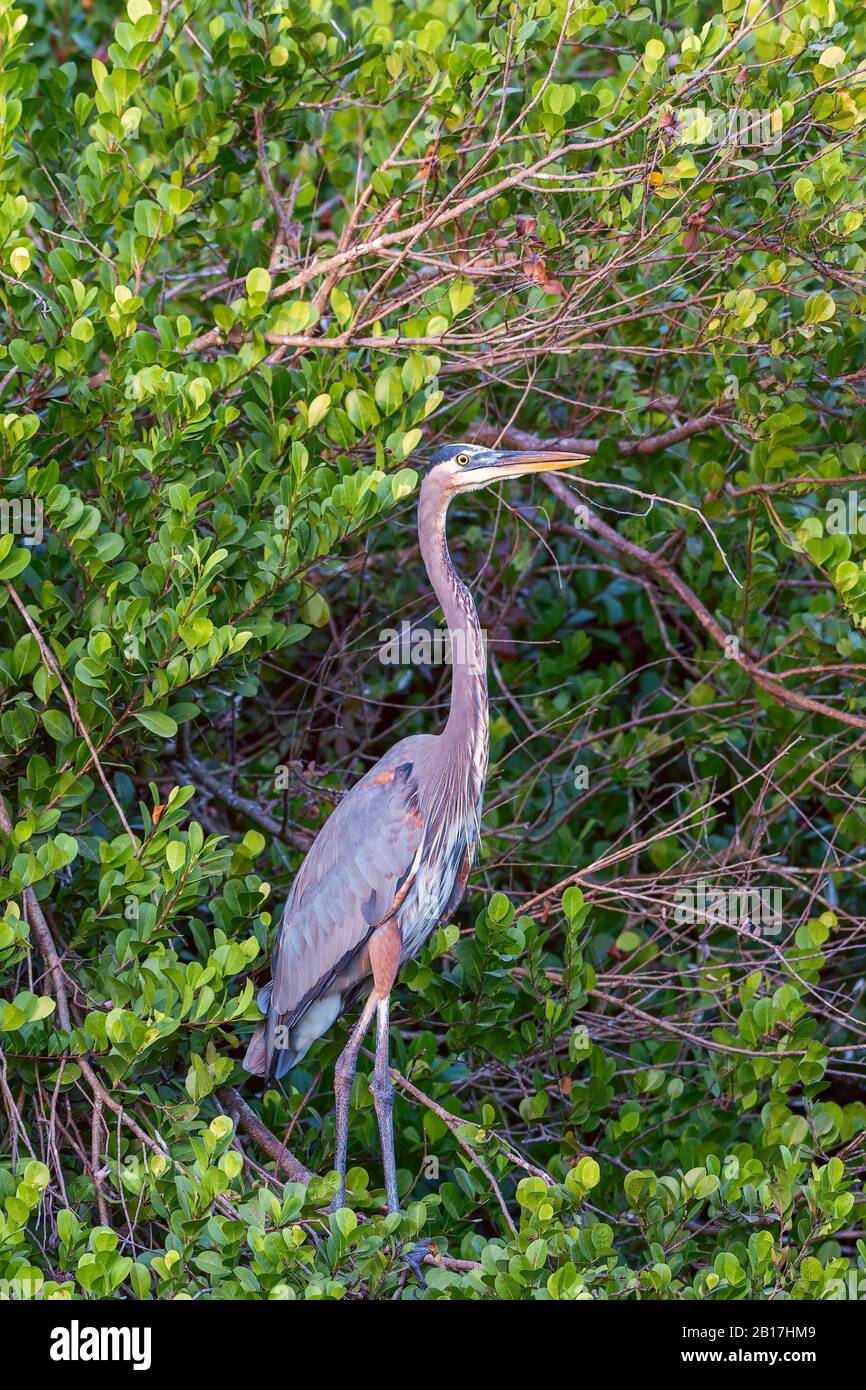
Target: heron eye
462, 459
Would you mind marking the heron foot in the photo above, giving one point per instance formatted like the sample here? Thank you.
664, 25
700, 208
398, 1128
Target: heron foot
415, 1257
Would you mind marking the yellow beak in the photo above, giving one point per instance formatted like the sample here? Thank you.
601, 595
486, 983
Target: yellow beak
516, 464
547, 461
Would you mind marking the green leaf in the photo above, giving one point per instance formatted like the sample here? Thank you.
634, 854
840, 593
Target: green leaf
341, 306
175, 854
460, 295
16, 560
258, 283
157, 723
819, 308
318, 409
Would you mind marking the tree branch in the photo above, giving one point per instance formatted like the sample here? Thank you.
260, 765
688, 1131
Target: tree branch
44, 940
245, 1118
51, 665
646, 560
512, 438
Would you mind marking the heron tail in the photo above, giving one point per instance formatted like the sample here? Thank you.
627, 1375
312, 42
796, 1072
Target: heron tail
255, 1061
265, 1055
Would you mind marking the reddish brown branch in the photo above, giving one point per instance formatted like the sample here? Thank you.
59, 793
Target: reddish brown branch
656, 565
246, 1119
513, 438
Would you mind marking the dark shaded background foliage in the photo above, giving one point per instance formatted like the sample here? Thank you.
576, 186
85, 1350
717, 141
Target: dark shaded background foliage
251, 258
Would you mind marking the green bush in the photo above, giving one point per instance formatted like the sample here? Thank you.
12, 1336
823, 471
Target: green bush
252, 258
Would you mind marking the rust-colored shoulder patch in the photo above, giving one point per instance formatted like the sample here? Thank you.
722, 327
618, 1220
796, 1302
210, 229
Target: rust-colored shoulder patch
382, 779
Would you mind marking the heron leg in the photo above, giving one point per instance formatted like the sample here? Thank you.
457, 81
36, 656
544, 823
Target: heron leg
383, 1099
344, 1074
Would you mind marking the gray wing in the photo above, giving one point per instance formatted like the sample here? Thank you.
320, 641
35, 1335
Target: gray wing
358, 869
347, 884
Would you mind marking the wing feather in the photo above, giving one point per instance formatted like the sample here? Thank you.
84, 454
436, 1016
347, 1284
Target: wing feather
346, 885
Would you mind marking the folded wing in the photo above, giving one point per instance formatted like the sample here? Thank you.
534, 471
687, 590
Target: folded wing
353, 878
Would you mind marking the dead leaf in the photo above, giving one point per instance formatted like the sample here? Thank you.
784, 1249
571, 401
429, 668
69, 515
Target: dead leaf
692, 238
534, 269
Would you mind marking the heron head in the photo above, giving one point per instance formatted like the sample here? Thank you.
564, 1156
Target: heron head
463, 467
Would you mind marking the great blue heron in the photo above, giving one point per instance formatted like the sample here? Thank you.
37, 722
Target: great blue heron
392, 860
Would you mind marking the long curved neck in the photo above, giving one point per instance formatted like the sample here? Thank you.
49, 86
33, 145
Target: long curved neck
467, 724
